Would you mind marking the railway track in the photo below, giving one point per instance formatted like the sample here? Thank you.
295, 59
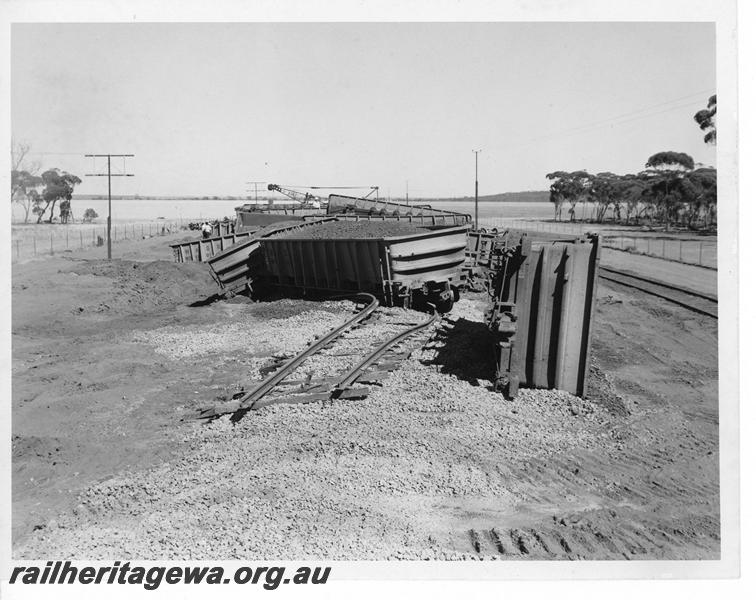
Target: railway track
692, 300
282, 385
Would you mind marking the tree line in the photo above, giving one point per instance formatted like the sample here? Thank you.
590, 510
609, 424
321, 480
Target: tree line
671, 190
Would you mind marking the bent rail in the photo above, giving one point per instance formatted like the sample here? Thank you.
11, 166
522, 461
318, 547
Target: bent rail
247, 401
364, 364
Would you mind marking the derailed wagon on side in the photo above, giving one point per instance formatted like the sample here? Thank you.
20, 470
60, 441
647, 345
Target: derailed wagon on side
413, 269
543, 294
364, 207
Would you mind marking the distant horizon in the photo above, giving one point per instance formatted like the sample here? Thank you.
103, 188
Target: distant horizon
261, 197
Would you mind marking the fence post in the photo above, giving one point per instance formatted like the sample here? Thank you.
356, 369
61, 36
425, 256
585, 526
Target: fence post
700, 253
51, 244
35, 244
680, 254
81, 239
664, 247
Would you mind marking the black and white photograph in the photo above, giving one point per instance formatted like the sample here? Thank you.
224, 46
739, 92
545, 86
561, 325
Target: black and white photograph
396, 292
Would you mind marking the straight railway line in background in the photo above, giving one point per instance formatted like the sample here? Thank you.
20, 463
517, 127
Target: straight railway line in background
692, 300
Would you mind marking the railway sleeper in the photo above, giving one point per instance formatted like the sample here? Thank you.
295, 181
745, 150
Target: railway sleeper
350, 393
374, 377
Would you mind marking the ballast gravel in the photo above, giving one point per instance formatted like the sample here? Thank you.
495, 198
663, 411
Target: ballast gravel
248, 332
369, 479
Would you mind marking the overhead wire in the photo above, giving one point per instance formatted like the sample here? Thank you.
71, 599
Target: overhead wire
620, 119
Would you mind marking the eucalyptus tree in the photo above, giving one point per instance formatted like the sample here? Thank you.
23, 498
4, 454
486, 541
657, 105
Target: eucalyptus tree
635, 190
606, 190
706, 119
666, 172
571, 187
558, 191
700, 189
59, 185
24, 190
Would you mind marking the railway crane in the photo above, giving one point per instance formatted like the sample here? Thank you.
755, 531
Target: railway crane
304, 199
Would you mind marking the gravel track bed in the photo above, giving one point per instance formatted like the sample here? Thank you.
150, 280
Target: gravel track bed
248, 332
302, 480
340, 480
358, 342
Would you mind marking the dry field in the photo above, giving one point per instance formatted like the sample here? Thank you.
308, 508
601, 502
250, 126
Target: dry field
434, 464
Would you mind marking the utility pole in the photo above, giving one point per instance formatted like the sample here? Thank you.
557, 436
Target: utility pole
109, 175
255, 183
476, 187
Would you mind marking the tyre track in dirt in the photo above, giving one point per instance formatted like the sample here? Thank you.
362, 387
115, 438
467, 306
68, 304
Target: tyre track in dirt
650, 488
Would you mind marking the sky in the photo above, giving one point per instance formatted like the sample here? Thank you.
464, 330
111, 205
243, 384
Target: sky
206, 108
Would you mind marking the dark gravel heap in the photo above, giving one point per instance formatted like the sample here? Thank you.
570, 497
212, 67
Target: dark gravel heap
355, 229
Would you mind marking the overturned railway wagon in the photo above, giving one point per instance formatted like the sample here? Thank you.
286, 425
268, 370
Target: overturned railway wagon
424, 221
411, 269
542, 298
202, 249
364, 207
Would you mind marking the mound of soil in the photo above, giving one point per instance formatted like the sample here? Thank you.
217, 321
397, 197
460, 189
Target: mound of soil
148, 284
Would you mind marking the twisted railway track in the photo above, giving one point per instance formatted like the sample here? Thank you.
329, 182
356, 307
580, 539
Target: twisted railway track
692, 300
366, 370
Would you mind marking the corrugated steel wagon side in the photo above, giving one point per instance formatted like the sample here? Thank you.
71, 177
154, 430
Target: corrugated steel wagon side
237, 266
541, 312
200, 250
402, 270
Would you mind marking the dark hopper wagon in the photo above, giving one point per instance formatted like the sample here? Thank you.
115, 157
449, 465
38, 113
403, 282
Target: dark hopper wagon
407, 270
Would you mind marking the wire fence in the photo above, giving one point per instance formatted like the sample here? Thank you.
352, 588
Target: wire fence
690, 252
547, 226
38, 241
